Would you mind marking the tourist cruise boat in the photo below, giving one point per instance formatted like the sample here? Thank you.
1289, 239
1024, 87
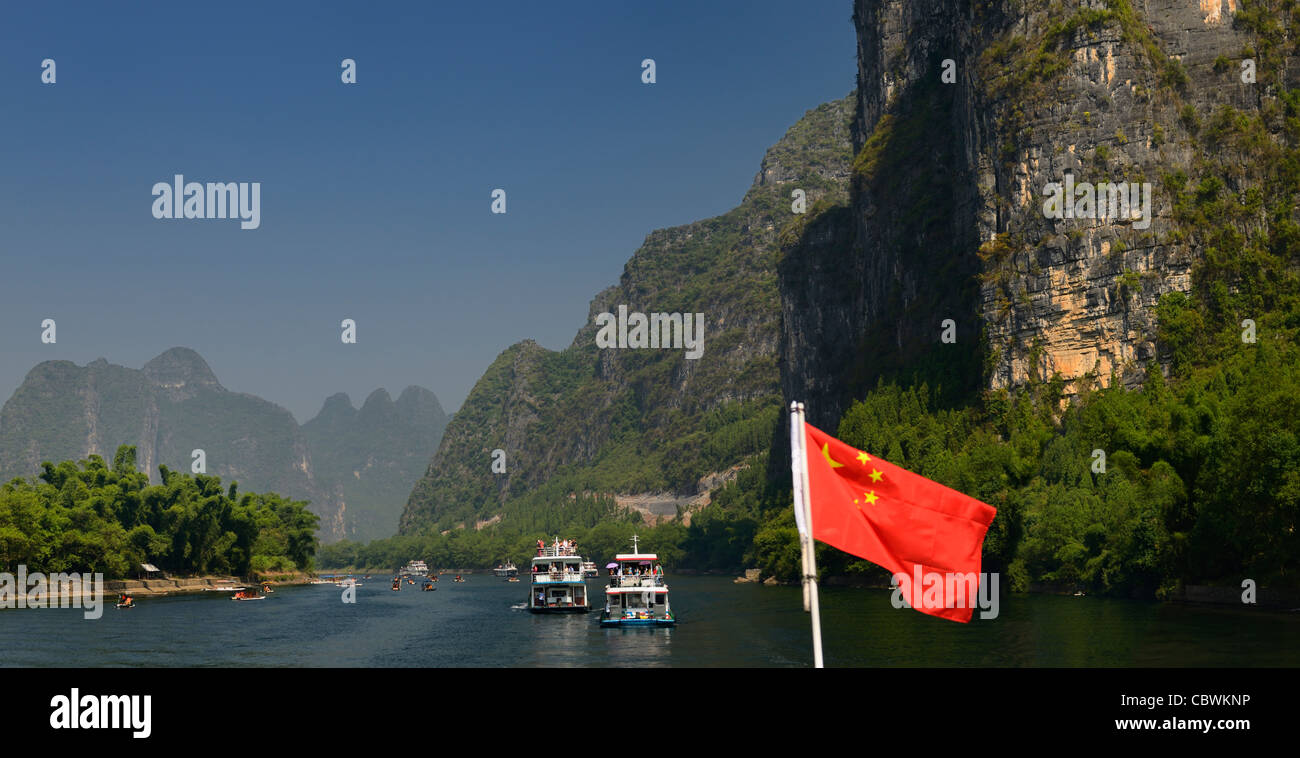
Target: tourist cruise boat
415, 568
637, 594
589, 569
557, 585
506, 569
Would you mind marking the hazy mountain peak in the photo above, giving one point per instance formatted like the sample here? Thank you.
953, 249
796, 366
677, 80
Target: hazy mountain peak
181, 370
414, 392
378, 398
338, 402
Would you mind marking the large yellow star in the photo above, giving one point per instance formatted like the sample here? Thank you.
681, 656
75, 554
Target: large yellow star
864, 458
826, 451
871, 497
876, 475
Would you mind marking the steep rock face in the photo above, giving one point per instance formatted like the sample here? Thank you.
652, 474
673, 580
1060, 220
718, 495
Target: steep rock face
947, 215
1077, 296
866, 288
646, 420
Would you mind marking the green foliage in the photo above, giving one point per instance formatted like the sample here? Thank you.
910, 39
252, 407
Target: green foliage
88, 517
1202, 481
489, 547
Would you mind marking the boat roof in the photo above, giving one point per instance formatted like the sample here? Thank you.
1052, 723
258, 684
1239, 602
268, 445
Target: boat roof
636, 557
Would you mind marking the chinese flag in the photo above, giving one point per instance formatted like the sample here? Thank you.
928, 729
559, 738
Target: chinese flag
899, 520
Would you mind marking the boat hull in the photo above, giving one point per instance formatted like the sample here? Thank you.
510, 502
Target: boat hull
561, 609
615, 622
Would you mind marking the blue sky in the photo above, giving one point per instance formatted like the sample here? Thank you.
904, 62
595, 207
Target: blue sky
375, 196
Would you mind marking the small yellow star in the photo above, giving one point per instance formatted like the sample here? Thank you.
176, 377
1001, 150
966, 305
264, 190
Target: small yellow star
864, 457
871, 497
876, 475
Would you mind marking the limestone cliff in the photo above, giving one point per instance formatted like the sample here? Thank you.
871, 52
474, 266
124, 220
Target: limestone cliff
947, 217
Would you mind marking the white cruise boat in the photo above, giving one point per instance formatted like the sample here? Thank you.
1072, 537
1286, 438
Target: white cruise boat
415, 568
557, 584
506, 569
637, 594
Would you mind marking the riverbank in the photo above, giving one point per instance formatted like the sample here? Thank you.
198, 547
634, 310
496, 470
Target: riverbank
77, 594
390, 571
154, 587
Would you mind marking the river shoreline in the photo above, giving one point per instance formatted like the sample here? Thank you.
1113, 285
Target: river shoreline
57, 596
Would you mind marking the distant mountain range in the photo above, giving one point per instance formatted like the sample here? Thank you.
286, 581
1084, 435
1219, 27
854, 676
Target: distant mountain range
356, 467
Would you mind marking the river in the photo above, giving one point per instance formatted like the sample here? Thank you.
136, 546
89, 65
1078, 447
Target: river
479, 623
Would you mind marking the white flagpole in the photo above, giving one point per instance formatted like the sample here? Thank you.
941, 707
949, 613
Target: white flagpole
803, 507
796, 474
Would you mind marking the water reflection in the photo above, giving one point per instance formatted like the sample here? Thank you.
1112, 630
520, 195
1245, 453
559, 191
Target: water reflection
558, 639
638, 646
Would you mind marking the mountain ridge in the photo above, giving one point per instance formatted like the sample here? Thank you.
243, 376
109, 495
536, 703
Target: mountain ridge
175, 404
590, 420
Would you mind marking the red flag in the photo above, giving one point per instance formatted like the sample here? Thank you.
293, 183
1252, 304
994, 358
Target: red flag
901, 521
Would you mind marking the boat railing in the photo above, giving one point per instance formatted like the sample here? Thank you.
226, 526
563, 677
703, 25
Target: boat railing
552, 551
638, 581
540, 577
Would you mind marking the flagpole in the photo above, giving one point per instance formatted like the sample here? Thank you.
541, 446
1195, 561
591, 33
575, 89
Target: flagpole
803, 513
796, 476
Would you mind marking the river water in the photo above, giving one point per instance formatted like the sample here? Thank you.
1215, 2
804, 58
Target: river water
479, 623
